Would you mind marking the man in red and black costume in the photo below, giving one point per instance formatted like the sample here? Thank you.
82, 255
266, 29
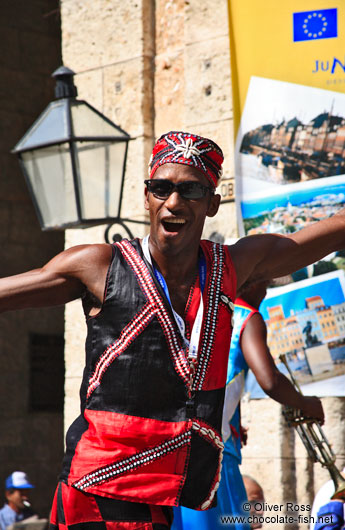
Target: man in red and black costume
158, 314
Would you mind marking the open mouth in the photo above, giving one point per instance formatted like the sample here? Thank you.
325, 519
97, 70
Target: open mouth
173, 224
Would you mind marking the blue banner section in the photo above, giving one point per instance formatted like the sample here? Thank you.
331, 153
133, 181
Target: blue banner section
315, 25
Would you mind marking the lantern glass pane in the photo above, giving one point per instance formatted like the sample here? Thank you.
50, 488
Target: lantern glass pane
51, 126
49, 171
88, 122
101, 167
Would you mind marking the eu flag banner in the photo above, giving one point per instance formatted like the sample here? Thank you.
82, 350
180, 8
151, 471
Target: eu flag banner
314, 25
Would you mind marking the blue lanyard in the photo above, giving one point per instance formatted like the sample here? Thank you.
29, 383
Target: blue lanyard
193, 350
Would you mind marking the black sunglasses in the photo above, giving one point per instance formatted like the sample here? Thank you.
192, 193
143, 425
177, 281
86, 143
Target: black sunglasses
190, 190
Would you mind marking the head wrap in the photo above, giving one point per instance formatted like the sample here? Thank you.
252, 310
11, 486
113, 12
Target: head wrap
185, 148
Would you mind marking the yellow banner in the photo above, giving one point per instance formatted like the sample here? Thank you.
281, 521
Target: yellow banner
262, 44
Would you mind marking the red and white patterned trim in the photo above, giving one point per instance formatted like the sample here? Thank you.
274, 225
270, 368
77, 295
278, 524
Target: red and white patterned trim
210, 323
148, 287
185, 148
213, 437
131, 463
127, 336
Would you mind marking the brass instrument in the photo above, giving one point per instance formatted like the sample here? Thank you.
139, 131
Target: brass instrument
314, 439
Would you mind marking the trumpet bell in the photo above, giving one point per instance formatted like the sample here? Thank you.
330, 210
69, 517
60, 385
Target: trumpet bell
314, 440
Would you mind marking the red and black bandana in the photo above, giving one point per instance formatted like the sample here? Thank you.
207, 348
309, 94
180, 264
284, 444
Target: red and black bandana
190, 149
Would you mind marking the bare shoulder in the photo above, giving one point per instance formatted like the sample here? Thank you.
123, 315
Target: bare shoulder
256, 324
76, 260
254, 343
244, 254
88, 264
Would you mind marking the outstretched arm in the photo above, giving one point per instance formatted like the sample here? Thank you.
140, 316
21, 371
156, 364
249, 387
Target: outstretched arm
274, 383
64, 278
269, 256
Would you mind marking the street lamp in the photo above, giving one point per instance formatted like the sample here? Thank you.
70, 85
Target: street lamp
73, 159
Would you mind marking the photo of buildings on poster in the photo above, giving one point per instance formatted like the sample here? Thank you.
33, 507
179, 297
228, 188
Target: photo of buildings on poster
290, 172
290, 156
306, 324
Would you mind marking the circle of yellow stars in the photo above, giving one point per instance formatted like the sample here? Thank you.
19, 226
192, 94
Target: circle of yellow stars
320, 18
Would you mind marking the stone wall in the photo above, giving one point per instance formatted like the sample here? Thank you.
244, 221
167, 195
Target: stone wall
192, 82
29, 53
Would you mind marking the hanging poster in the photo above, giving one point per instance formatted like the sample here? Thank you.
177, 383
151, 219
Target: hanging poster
288, 64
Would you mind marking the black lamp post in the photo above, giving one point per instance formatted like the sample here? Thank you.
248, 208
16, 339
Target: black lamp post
73, 159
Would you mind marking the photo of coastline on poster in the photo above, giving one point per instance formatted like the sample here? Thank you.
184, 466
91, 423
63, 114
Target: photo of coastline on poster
290, 156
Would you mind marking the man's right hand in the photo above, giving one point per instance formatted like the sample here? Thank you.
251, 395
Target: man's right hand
311, 406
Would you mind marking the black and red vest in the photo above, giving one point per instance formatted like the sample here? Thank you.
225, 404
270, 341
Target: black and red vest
141, 436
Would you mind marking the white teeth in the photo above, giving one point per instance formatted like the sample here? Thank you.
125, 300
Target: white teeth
174, 220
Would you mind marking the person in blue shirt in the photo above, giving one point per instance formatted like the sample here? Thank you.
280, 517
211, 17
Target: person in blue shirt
248, 349
331, 516
17, 506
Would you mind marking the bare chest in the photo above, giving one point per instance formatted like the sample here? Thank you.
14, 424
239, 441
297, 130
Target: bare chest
179, 295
